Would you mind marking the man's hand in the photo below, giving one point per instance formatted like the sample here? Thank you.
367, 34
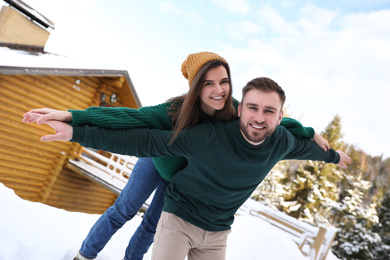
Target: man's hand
344, 158
321, 142
42, 115
64, 131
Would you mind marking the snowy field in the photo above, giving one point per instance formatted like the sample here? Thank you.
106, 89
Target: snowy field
34, 231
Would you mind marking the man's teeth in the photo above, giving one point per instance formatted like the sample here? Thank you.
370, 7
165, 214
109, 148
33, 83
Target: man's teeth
258, 127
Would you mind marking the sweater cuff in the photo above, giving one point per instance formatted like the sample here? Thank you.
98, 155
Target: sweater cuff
78, 134
310, 132
335, 156
75, 114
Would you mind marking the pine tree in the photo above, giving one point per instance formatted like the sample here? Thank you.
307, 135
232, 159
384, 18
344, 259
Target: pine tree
271, 190
356, 238
333, 133
312, 188
359, 242
383, 226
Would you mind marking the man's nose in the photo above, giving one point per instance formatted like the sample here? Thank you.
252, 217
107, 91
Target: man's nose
259, 117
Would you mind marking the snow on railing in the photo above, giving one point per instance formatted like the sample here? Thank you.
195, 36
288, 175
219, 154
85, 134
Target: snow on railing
313, 241
110, 168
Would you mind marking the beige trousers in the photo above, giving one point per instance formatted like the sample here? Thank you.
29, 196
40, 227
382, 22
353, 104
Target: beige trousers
176, 238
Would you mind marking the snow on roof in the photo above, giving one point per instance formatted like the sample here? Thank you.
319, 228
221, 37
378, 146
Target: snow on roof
30, 60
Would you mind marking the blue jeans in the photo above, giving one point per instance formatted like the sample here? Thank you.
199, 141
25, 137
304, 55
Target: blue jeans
143, 180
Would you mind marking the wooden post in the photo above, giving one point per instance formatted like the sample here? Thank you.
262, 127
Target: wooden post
318, 240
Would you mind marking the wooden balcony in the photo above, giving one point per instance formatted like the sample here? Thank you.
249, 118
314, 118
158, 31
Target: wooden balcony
110, 170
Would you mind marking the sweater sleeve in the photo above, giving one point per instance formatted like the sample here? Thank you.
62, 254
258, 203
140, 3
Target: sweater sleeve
142, 142
296, 128
122, 117
303, 149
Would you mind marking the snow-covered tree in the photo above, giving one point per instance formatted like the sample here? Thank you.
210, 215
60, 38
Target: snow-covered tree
356, 238
356, 241
383, 225
311, 188
333, 133
271, 190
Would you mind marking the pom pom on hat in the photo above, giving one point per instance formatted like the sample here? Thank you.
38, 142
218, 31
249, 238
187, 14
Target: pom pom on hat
195, 62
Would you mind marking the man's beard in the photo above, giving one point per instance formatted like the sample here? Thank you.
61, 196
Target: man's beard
254, 136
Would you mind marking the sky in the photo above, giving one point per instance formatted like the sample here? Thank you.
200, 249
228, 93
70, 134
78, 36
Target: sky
331, 57
35, 231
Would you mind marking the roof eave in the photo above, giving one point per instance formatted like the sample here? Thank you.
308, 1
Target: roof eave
13, 70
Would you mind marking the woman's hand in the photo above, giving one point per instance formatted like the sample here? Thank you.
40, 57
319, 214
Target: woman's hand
43, 115
321, 142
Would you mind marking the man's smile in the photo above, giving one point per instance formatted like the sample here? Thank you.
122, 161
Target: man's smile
258, 127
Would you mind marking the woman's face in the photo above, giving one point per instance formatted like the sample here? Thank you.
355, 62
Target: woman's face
215, 90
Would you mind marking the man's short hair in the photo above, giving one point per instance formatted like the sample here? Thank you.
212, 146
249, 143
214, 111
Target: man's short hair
266, 85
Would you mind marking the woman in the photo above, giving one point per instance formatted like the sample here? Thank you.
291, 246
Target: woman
209, 99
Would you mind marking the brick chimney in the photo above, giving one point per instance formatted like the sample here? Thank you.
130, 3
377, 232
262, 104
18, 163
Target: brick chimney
23, 28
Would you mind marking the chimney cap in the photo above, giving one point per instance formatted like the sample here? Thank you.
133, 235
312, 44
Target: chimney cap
31, 12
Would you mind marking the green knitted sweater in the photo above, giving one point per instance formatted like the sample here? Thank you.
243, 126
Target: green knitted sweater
223, 168
156, 117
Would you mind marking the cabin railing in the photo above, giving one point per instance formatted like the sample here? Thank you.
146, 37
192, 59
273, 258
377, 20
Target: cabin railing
109, 169
313, 241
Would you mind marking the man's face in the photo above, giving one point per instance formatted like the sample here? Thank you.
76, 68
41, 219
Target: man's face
260, 112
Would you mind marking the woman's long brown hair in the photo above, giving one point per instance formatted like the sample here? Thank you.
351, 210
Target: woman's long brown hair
189, 112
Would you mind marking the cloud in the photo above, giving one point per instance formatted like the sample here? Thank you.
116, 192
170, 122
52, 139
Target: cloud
240, 7
274, 21
169, 8
244, 29
318, 15
315, 21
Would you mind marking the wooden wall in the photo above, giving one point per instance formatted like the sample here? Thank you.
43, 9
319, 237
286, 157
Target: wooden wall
35, 170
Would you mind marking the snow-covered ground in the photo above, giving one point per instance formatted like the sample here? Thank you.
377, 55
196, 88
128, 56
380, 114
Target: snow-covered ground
31, 230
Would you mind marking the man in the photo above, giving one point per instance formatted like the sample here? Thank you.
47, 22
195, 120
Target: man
226, 162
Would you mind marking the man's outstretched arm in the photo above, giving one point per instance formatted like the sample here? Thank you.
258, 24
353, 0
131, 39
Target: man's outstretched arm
139, 142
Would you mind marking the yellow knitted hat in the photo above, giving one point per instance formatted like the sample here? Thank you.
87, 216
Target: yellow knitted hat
195, 61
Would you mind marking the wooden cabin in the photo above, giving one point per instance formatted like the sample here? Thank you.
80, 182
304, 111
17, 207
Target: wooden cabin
39, 171
35, 170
